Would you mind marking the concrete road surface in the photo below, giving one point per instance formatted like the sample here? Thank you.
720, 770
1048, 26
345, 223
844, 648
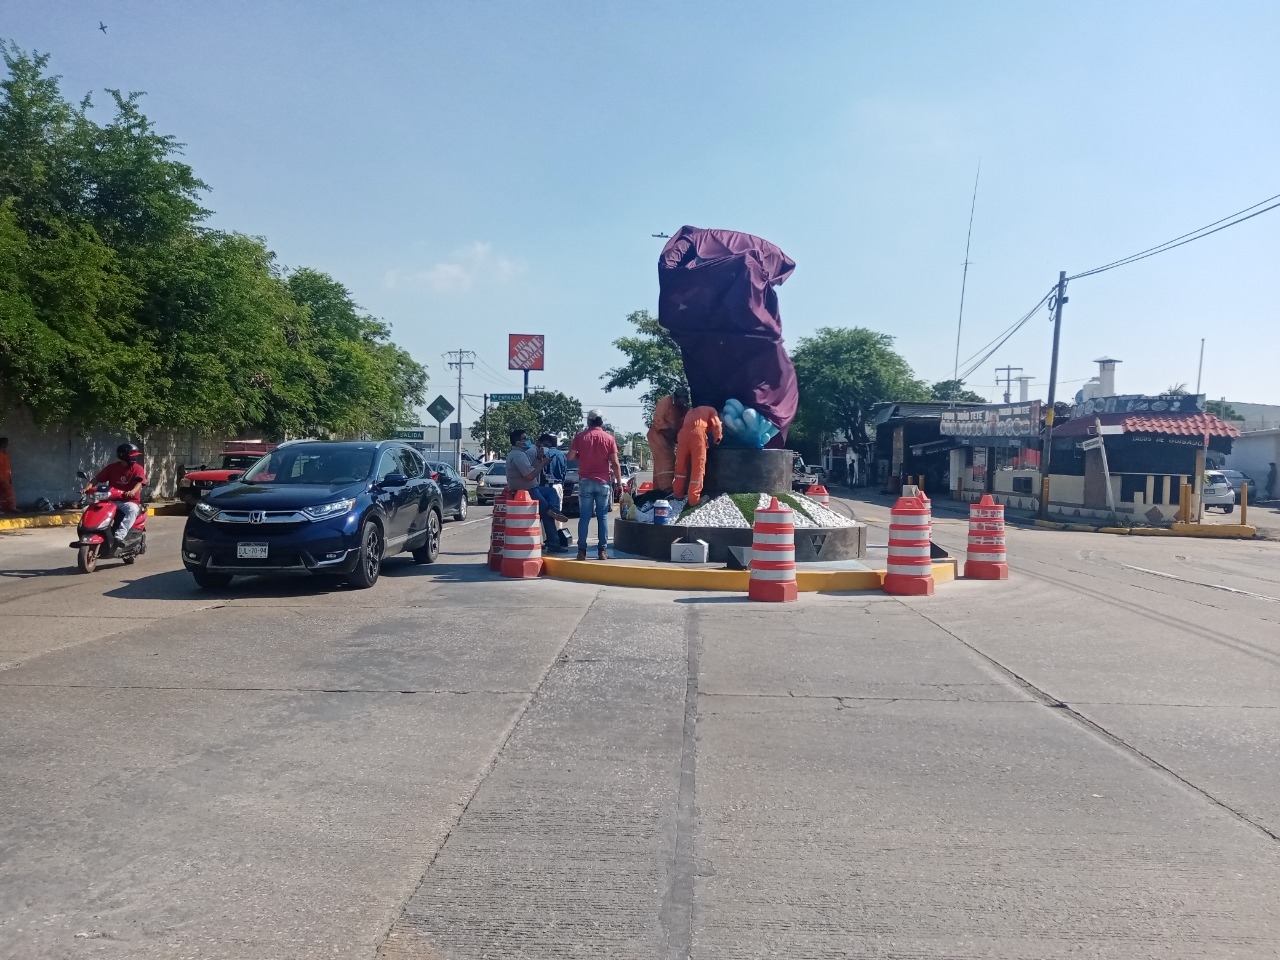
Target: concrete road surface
1078, 762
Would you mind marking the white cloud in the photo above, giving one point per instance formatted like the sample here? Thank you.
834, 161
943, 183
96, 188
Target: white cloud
473, 265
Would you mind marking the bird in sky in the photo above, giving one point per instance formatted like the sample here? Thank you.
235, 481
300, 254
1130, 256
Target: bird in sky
102, 26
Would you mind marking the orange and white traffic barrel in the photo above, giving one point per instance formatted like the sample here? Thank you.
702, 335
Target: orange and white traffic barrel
910, 570
773, 555
986, 559
522, 538
818, 493
497, 529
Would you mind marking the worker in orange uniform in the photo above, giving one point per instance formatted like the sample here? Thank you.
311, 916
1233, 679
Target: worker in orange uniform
691, 451
7, 502
668, 415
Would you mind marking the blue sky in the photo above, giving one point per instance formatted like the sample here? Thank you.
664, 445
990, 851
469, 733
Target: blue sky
473, 169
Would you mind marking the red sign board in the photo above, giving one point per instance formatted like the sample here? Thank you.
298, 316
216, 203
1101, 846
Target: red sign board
525, 351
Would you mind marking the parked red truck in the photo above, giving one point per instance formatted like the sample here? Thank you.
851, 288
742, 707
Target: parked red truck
237, 457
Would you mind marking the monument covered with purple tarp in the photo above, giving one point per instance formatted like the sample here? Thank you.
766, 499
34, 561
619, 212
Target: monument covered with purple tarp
716, 297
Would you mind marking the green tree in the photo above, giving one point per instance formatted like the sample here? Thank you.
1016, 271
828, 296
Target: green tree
652, 358
842, 373
1176, 390
954, 390
542, 411
1223, 410
118, 308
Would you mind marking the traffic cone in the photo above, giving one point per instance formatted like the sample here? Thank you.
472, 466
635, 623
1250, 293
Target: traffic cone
773, 555
986, 558
910, 570
522, 543
497, 530
819, 494
645, 487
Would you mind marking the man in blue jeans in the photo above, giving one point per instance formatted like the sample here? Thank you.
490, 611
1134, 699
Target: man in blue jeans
597, 456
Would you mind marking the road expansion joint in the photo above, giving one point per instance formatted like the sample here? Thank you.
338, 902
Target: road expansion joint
1248, 649
1113, 739
461, 810
214, 689
677, 903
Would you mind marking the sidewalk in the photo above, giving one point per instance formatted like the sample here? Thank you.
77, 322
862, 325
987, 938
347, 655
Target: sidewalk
1265, 517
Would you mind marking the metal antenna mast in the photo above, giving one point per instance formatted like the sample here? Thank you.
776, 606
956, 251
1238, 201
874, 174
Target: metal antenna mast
964, 278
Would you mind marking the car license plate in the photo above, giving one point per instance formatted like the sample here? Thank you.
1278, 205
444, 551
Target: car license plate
251, 551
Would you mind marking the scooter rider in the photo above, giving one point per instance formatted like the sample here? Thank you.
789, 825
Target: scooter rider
127, 477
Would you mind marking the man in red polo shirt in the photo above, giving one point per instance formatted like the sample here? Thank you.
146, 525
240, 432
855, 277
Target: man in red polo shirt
597, 454
127, 479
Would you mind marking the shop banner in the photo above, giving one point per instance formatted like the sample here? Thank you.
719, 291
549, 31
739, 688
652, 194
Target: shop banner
1004, 420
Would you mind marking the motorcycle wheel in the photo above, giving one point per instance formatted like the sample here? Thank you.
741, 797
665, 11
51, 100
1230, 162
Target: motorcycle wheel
87, 558
129, 559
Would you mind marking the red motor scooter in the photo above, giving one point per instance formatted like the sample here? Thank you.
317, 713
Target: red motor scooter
96, 538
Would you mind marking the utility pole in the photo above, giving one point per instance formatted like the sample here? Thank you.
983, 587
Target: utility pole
1008, 379
1200, 368
484, 454
464, 359
1059, 299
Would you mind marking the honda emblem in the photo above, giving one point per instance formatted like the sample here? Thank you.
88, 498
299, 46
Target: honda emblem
257, 516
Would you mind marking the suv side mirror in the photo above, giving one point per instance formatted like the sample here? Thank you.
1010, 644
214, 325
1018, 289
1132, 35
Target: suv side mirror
82, 475
233, 477
394, 480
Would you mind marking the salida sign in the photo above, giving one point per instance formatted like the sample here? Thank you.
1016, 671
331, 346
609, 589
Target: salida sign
525, 351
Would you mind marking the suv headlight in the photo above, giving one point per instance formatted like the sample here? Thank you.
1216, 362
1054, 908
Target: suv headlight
326, 510
206, 511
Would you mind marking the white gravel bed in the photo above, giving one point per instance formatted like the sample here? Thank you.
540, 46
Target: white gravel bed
823, 516
719, 512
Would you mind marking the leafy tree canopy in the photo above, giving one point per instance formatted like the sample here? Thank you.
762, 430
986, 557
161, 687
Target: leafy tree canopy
954, 390
1223, 410
842, 373
542, 411
118, 308
653, 359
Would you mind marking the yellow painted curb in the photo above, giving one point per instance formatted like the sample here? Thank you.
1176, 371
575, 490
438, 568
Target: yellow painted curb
175, 509
1229, 531
67, 518
40, 520
616, 573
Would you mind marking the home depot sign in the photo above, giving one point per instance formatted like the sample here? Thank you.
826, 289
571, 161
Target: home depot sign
525, 351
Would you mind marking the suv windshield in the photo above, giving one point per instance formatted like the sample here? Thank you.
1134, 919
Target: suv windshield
313, 463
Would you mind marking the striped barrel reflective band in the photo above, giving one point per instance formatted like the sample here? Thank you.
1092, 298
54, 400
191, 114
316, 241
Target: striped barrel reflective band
785, 576
977, 526
909, 533
986, 540
521, 511
914, 520
773, 537
774, 560
986, 513
784, 528
526, 554
909, 571
768, 549
905, 552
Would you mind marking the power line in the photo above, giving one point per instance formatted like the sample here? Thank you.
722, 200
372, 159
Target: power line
964, 277
1207, 230
1000, 340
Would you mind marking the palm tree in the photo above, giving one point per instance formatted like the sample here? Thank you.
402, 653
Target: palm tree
1177, 390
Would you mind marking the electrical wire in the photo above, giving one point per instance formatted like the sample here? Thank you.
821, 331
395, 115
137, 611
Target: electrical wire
1207, 230
972, 365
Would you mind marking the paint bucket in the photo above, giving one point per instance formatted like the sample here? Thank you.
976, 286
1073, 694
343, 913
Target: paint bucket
661, 512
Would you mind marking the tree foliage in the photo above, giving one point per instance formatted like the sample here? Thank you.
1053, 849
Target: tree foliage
118, 308
954, 390
1223, 410
842, 373
653, 358
544, 411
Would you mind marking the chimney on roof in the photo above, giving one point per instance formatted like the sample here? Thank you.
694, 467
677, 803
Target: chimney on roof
1107, 376
1022, 388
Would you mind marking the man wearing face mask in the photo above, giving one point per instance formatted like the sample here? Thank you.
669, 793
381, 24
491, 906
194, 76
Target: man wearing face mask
524, 471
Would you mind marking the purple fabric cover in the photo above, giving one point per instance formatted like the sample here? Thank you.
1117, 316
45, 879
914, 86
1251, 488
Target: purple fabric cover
716, 297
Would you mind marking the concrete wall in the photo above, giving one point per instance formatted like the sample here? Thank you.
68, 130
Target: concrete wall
45, 459
1251, 454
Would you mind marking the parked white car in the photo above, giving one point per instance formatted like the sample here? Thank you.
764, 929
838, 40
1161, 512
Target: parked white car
1217, 492
480, 469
